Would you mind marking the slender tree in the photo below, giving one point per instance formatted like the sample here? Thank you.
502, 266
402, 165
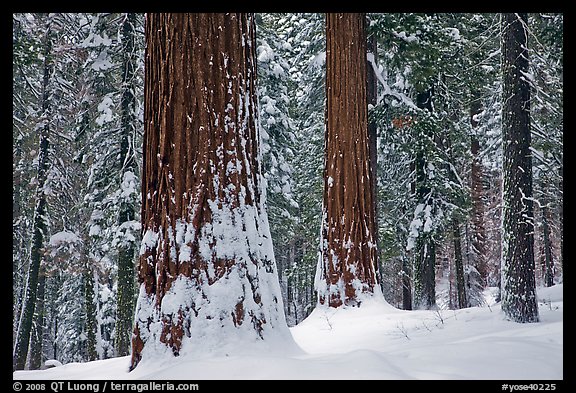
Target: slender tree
348, 248
126, 250
477, 196
206, 267
459, 265
39, 227
424, 272
372, 96
518, 279
36, 339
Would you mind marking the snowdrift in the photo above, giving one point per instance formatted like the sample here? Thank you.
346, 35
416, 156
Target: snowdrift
375, 341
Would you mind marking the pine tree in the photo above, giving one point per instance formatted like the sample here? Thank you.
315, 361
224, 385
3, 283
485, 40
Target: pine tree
39, 227
308, 40
347, 266
518, 279
128, 169
207, 268
278, 144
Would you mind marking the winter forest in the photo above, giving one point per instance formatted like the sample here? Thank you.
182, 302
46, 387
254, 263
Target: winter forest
287, 196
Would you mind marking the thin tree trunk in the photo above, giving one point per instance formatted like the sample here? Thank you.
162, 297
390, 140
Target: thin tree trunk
561, 217
125, 303
90, 310
406, 285
372, 95
518, 278
425, 255
477, 196
36, 253
459, 265
37, 336
547, 244
206, 267
348, 250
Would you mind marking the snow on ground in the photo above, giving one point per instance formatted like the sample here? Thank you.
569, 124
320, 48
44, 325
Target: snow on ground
375, 341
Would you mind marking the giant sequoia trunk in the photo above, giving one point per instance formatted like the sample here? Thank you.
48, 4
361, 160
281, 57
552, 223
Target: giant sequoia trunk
206, 271
518, 279
348, 248
21, 346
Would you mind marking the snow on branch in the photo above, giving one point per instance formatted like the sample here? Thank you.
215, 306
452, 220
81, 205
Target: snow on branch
387, 90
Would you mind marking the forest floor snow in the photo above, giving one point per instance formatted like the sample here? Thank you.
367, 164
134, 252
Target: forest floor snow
374, 341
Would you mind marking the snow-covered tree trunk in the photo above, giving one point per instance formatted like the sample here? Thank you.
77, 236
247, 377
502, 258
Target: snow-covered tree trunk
518, 279
125, 304
206, 271
346, 268
20, 351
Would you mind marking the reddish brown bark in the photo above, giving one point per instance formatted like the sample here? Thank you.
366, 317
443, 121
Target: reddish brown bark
200, 162
348, 246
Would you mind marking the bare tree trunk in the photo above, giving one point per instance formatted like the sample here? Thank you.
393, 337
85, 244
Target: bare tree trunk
406, 285
518, 278
37, 336
347, 265
547, 244
459, 265
206, 268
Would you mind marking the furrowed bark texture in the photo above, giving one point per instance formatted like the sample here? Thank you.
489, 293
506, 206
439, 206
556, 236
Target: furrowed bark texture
518, 279
347, 265
206, 249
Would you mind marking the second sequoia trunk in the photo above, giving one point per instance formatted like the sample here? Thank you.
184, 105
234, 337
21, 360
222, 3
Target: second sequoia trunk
348, 247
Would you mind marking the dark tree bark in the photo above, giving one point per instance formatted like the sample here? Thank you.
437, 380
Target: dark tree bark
90, 311
36, 253
547, 245
479, 257
424, 273
206, 251
459, 265
406, 285
518, 278
347, 265
372, 95
37, 337
125, 303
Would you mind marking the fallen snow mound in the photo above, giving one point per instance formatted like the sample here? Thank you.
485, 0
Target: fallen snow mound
374, 341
